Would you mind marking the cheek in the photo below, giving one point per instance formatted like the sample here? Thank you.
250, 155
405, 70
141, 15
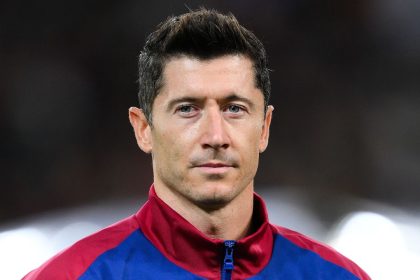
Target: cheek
170, 146
247, 146
250, 138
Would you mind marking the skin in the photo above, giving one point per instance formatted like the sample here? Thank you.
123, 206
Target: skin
208, 130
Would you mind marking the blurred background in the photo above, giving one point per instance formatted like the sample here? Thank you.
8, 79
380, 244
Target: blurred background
343, 164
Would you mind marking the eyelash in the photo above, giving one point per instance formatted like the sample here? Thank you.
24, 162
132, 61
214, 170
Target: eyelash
241, 109
183, 106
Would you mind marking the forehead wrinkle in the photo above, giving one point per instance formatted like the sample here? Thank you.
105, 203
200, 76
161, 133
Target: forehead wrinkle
195, 68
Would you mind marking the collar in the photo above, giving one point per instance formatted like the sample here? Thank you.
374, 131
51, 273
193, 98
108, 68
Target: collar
187, 247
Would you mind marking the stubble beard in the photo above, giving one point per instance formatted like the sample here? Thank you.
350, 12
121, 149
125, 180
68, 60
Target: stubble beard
209, 192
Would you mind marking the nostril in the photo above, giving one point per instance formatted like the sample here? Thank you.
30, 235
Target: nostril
225, 146
215, 146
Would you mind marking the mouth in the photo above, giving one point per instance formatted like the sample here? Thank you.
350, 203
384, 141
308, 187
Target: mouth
214, 167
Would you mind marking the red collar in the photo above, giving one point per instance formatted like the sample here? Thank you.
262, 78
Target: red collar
187, 247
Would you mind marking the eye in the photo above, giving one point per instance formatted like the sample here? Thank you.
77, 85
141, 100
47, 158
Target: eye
186, 110
234, 108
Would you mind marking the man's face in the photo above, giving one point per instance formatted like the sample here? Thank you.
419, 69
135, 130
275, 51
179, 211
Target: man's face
208, 129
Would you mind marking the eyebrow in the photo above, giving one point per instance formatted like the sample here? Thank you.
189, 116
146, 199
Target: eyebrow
234, 97
230, 98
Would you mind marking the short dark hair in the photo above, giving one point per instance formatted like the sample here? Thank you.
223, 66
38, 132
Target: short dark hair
204, 34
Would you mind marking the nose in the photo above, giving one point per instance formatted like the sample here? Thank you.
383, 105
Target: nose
215, 134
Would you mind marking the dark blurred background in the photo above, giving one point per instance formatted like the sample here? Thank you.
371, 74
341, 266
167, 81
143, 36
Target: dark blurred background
345, 86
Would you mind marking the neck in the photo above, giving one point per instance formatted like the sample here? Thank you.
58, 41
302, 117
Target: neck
230, 221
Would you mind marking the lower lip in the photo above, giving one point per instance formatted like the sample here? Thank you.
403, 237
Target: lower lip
214, 170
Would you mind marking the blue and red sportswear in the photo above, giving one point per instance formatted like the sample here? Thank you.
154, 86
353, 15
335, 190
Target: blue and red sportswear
157, 243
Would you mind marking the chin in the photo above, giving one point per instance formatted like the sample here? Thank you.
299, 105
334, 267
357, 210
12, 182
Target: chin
216, 195
212, 203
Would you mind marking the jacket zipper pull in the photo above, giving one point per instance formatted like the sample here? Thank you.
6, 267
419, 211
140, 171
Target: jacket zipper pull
228, 260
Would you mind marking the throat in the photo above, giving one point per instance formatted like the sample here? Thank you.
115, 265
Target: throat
229, 228
227, 220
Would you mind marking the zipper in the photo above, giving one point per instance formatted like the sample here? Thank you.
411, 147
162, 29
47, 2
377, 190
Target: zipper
228, 260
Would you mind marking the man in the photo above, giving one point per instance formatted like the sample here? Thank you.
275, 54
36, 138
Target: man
204, 117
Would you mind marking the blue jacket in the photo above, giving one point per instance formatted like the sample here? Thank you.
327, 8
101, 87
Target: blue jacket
157, 243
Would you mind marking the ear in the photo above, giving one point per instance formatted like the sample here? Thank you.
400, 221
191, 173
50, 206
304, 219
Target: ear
266, 129
142, 129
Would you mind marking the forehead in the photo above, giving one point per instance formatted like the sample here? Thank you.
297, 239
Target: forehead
211, 77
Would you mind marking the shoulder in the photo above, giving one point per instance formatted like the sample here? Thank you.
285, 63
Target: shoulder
73, 261
322, 250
